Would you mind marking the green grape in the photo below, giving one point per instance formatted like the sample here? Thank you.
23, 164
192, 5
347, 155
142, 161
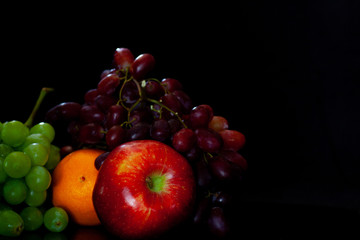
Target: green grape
5, 150
38, 179
17, 164
33, 218
35, 138
35, 199
44, 128
54, 157
38, 154
56, 219
1, 126
3, 174
14, 133
14, 191
11, 223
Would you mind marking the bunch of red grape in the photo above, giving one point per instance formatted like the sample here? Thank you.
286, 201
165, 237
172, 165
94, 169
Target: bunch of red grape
128, 105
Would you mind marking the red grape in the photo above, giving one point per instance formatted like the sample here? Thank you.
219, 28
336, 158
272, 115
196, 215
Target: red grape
217, 222
143, 64
108, 84
154, 90
200, 116
115, 136
116, 115
91, 114
171, 84
90, 96
100, 160
233, 140
160, 130
123, 58
208, 140
184, 140
218, 124
91, 133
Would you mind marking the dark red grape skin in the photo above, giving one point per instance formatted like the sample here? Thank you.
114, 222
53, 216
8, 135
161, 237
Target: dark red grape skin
233, 140
160, 130
143, 64
200, 116
139, 131
91, 114
208, 140
185, 101
171, 101
221, 168
90, 96
123, 58
218, 124
154, 90
184, 140
171, 84
115, 136
116, 115
236, 159
203, 176
91, 133
103, 102
202, 211
100, 160
217, 222
108, 84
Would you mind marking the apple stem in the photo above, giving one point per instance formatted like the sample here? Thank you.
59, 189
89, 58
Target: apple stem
44, 91
156, 183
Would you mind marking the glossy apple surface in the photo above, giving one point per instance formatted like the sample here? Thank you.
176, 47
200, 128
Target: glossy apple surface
143, 189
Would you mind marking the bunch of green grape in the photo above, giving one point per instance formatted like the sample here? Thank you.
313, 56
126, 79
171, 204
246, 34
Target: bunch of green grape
27, 157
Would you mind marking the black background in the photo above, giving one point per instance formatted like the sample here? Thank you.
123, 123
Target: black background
286, 74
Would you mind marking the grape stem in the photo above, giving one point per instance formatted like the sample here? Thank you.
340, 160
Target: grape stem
44, 91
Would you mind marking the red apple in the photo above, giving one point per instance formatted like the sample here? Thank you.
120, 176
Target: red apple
143, 189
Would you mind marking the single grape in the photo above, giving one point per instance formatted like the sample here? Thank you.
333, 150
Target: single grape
35, 138
154, 90
104, 102
221, 168
38, 154
143, 64
236, 160
203, 176
115, 136
123, 58
38, 179
184, 140
14, 133
160, 130
54, 157
116, 115
35, 198
17, 164
185, 101
202, 210
3, 175
217, 222
56, 219
91, 133
130, 94
5, 150
172, 102
233, 140
100, 160
208, 140
11, 223
108, 84
218, 124
91, 114
14, 191
90, 96
171, 84
138, 132
64, 111
32, 217
45, 129
200, 116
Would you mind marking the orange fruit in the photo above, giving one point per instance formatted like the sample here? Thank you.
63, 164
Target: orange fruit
73, 182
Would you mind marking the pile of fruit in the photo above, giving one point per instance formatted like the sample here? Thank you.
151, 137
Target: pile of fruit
129, 105
137, 156
27, 156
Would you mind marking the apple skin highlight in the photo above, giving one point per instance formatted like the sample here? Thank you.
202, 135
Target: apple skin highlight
143, 189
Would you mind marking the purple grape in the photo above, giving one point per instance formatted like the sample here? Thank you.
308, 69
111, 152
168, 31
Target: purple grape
90, 96
63, 112
160, 130
130, 94
115, 136
104, 102
185, 101
171, 84
222, 199
220, 168
91, 133
116, 115
108, 84
138, 132
202, 211
184, 140
100, 160
200, 116
203, 176
171, 101
143, 64
208, 140
154, 90
217, 222
91, 114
